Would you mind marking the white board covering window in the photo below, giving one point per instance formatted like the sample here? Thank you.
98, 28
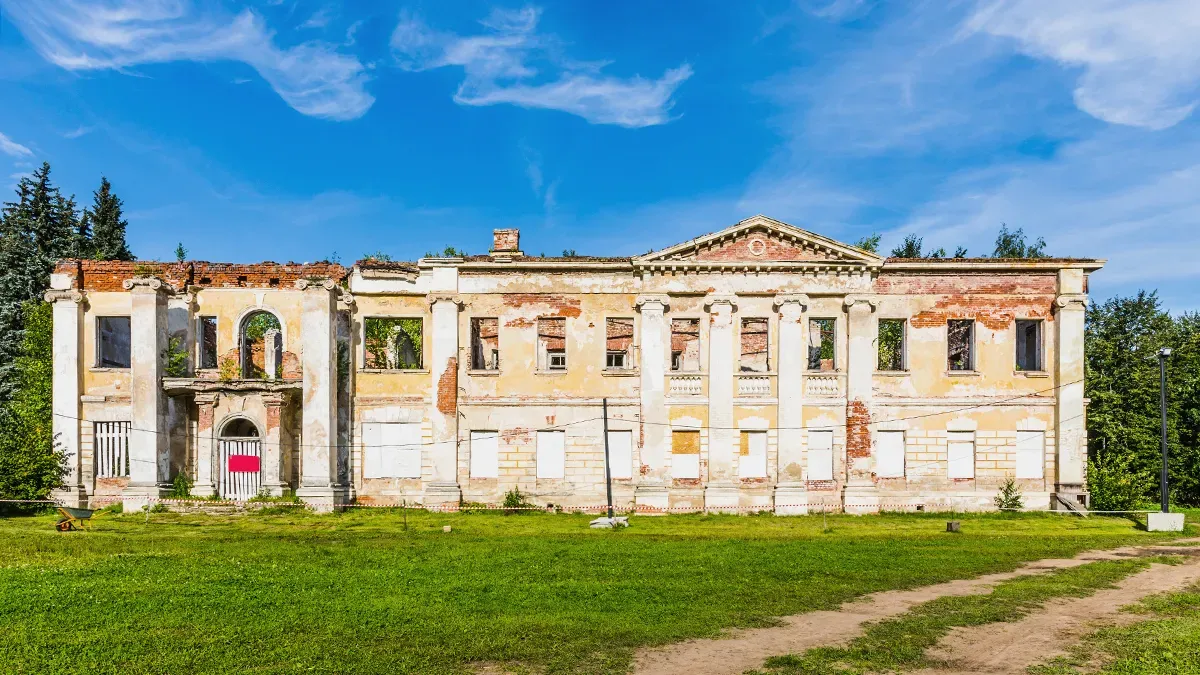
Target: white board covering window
551, 454
820, 454
391, 450
485, 455
960, 454
685, 454
889, 454
752, 459
1031, 448
620, 454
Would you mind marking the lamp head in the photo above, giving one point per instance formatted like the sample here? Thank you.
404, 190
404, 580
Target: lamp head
1164, 352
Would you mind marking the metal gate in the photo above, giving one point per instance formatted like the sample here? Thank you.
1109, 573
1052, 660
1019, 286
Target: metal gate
240, 464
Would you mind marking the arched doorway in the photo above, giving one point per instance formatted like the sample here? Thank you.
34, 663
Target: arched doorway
240, 460
260, 341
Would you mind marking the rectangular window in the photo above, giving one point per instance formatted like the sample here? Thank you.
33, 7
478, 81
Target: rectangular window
618, 343
485, 454
1029, 345
752, 458
1031, 453
960, 454
889, 454
685, 454
620, 454
754, 357
392, 343
551, 454
685, 345
208, 341
113, 342
821, 344
892, 345
110, 444
552, 344
820, 454
960, 336
391, 450
485, 344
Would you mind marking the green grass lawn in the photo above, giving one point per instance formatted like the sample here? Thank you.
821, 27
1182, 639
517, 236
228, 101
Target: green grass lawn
356, 592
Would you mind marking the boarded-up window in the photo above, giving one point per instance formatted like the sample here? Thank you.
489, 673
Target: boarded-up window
821, 344
113, 342
685, 345
551, 454
485, 456
752, 459
208, 341
392, 343
552, 344
1031, 451
110, 447
889, 454
891, 345
620, 454
960, 336
485, 344
618, 343
960, 454
754, 357
685, 454
820, 454
1029, 345
391, 450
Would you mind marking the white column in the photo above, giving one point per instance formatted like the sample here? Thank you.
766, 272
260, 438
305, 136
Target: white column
272, 449
791, 496
860, 494
318, 466
721, 489
651, 488
443, 487
271, 355
1070, 426
67, 386
149, 450
205, 445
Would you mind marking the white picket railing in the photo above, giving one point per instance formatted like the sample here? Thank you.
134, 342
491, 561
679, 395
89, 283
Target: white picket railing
686, 385
238, 485
754, 385
822, 385
110, 442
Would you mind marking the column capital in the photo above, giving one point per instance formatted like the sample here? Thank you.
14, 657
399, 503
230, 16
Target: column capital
206, 398
861, 300
1071, 301
713, 299
146, 285
70, 295
345, 300
784, 299
435, 298
655, 301
316, 284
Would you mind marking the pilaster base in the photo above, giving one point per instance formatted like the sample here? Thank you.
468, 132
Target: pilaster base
1071, 492
324, 498
74, 496
442, 496
204, 490
136, 497
720, 498
791, 500
651, 496
860, 497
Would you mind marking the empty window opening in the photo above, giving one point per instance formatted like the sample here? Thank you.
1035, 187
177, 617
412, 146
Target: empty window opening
618, 343
110, 443
752, 455
960, 334
485, 344
755, 350
113, 346
239, 427
960, 454
552, 344
821, 337
685, 454
1029, 345
392, 343
208, 341
892, 345
685, 344
261, 346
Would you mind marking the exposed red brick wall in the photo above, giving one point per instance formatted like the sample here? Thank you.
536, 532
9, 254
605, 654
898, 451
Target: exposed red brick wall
552, 333
291, 367
740, 249
108, 275
517, 436
957, 284
273, 410
556, 305
204, 416
995, 313
858, 429
992, 299
618, 335
447, 393
506, 240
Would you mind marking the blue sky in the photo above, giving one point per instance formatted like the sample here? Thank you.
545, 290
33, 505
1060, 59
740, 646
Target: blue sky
301, 129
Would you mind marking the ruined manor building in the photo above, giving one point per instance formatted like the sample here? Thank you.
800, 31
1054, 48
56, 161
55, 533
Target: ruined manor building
759, 367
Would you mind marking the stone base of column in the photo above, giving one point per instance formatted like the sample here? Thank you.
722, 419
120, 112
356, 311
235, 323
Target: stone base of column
791, 500
721, 498
324, 498
442, 496
204, 490
651, 496
135, 497
74, 496
1072, 492
860, 497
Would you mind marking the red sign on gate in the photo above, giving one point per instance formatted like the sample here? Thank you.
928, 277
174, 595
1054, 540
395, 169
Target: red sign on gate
243, 464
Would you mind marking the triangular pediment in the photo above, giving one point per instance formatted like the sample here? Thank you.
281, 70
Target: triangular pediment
761, 241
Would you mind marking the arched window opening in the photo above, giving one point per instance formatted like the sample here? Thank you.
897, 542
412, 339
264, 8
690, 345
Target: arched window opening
261, 346
239, 427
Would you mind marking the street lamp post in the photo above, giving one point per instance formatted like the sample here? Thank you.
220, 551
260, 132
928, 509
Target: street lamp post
1163, 355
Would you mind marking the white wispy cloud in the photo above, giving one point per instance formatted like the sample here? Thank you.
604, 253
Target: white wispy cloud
312, 77
77, 132
319, 19
1139, 59
512, 63
10, 147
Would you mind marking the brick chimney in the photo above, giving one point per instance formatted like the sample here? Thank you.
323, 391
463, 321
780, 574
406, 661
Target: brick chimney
506, 242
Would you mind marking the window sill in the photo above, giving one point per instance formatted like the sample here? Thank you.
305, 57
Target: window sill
107, 369
395, 371
550, 372
1031, 373
823, 372
963, 373
892, 373
483, 372
620, 372
754, 373
685, 373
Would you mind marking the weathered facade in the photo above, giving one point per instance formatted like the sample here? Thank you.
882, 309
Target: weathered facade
760, 367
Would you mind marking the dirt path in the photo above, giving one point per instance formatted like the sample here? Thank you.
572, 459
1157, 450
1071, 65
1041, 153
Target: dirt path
744, 650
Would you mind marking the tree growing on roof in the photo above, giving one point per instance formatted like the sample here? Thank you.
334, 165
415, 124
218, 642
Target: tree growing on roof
1011, 244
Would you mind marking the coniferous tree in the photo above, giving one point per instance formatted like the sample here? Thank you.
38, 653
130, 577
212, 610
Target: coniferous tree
107, 225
